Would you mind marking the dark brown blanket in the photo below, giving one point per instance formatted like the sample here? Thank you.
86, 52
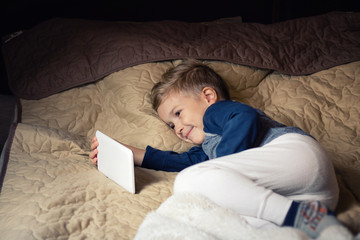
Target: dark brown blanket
63, 53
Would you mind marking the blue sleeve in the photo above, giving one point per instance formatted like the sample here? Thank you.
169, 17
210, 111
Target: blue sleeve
171, 161
237, 123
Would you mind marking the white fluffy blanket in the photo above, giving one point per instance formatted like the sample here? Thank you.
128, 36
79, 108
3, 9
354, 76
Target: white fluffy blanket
191, 216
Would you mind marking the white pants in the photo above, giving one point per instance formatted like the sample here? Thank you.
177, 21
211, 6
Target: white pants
262, 182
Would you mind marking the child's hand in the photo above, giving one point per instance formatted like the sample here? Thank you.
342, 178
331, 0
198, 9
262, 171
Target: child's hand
94, 150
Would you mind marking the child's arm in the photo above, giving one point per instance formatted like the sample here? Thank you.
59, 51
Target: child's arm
137, 152
171, 161
159, 160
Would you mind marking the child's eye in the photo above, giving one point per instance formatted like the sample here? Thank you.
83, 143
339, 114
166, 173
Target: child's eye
178, 113
172, 126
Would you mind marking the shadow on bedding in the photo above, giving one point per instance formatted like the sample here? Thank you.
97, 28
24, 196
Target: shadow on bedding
144, 178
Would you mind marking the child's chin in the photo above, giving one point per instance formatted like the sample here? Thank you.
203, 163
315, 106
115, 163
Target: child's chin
195, 143
188, 141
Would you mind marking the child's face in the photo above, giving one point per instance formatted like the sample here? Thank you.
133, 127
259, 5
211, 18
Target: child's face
184, 113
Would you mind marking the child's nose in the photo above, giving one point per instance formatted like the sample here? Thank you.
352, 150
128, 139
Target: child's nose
179, 128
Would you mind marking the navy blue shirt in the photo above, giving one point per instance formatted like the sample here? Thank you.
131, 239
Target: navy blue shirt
229, 127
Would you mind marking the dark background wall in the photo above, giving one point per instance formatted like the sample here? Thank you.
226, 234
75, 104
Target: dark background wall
23, 14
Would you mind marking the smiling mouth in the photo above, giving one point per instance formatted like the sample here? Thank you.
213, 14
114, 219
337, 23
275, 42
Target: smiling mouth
188, 134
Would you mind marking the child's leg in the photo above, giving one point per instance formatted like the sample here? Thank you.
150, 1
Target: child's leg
230, 189
262, 182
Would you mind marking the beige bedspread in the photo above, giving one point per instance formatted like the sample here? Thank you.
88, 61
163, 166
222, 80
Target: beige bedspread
51, 190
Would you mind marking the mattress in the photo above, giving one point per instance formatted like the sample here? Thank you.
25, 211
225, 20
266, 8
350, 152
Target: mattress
51, 188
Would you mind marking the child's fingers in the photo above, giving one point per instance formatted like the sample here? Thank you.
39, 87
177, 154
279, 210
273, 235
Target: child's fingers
94, 151
94, 144
94, 141
93, 154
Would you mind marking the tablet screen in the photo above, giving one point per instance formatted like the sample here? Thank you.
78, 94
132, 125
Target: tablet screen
116, 161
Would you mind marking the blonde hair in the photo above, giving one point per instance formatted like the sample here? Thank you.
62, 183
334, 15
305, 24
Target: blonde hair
191, 76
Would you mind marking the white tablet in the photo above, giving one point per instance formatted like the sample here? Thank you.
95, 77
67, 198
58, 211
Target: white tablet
116, 161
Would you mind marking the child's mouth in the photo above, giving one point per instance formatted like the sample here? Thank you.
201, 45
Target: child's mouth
188, 134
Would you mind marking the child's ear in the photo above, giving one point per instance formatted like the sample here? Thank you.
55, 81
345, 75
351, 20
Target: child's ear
210, 95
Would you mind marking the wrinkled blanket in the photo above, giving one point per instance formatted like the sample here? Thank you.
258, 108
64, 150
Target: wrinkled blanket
193, 217
51, 190
63, 53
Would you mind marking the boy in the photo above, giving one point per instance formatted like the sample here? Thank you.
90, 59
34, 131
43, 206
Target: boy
260, 166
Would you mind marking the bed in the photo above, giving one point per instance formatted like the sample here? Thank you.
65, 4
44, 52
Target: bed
72, 77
